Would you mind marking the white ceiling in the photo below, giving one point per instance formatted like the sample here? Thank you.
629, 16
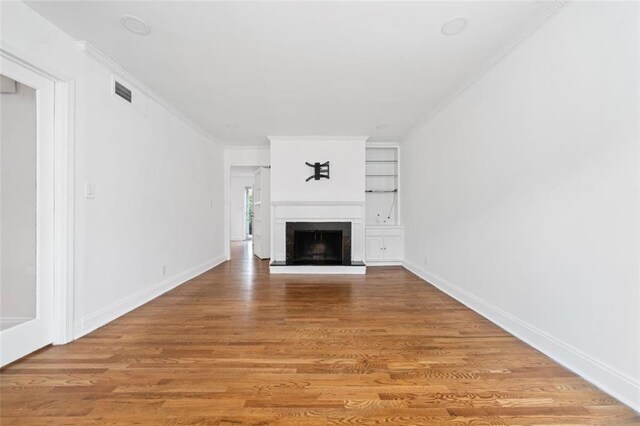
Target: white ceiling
245, 70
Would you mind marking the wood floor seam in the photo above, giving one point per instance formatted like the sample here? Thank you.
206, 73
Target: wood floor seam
237, 345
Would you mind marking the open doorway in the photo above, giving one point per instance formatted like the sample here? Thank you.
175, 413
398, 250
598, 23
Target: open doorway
241, 162
241, 203
36, 173
17, 203
26, 211
248, 213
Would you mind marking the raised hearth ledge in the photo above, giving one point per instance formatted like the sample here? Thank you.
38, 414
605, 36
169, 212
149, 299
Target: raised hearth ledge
356, 268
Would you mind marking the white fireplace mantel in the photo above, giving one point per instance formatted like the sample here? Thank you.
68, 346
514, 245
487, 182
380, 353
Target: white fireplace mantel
324, 211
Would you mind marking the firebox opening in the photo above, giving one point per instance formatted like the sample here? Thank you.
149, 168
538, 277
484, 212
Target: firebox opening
317, 247
318, 243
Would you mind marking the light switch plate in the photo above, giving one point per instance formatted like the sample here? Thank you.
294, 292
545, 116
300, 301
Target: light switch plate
89, 191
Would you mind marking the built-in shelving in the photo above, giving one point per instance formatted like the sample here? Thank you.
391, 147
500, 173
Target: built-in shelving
384, 240
382, 184
384, 191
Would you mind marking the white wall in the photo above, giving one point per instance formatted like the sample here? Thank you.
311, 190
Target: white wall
238, 186
522, 194
159, 183
289, 171
247, 156
18, 205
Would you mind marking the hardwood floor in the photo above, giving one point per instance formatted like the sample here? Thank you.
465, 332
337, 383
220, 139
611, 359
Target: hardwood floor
239, 346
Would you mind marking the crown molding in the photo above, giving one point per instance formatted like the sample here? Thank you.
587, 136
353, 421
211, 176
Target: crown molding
503, 53
241, 147
318, 138
94, 53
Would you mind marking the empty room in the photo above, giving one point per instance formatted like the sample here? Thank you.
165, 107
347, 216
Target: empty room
319, 212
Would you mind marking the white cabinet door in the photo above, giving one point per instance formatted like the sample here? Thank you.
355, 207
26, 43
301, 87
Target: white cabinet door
393, 248
374, 248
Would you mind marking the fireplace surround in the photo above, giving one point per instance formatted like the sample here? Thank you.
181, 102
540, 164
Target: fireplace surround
313, 212
318, 243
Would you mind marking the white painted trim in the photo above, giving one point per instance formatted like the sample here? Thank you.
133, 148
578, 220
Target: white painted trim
383, 227
64, 218
374, 263
317, 203
601, 375
64, 195
115, 310
227, 200
247, 147
318, 138
503, 53
94, 53
313, 269
31, 62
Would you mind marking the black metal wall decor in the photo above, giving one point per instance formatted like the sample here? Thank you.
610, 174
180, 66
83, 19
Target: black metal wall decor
319, 171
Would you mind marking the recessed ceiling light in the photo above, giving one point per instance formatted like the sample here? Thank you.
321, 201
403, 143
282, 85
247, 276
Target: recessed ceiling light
232, 126
382, 126
135, 24
455, 25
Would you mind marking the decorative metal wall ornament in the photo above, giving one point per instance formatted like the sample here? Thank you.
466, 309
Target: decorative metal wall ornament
319, 171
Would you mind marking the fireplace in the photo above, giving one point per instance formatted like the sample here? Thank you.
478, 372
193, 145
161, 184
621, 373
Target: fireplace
318, 243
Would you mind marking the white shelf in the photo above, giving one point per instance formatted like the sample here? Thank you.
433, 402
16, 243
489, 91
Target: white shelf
384, 237
382, 189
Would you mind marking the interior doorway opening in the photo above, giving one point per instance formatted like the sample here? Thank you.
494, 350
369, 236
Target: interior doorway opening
17, 203
248, 213
241, 204
27, 215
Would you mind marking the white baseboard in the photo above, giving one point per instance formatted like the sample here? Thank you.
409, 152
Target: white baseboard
384, 263
109, 313
599, 374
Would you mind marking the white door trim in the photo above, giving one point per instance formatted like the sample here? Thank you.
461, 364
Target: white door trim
227, 200
64, 199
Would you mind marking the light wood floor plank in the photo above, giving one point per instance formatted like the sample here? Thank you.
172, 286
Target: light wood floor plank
237, 345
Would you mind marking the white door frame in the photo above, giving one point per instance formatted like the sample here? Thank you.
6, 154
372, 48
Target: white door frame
252, 158
64, 166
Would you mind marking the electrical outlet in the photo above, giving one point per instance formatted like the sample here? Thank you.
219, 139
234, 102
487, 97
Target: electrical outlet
163, 270
424, 260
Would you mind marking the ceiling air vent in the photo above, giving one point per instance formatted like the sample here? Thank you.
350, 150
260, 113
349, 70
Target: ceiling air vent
123, 92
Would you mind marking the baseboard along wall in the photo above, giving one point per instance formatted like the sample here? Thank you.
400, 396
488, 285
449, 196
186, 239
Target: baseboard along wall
608, 379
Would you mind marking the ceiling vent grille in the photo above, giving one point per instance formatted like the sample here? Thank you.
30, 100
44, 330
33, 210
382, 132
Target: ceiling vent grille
123, 92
